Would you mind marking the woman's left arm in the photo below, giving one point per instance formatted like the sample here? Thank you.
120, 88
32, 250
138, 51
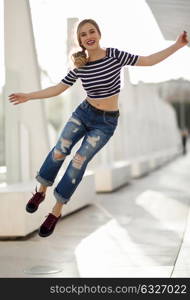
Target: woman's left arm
155, 58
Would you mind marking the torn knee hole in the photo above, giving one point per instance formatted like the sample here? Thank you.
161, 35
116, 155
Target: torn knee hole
73, 120
65, 144
58, 155
92, 140
78, 161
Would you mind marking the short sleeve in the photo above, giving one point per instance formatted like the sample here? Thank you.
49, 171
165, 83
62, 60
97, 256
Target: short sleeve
70, 78
125, 58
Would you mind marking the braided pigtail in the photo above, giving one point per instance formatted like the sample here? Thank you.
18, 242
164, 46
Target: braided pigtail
79, 58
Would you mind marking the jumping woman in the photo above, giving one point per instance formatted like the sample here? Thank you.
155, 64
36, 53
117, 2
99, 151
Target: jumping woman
94, 120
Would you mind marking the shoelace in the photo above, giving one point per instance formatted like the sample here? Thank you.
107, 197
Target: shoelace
36, 196
50, 221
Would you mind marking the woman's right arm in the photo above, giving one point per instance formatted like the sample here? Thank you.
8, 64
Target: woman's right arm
52, 91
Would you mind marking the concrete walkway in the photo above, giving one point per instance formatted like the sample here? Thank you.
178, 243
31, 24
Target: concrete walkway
141, 230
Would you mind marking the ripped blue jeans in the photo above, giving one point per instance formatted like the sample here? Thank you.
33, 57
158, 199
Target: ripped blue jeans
97, 127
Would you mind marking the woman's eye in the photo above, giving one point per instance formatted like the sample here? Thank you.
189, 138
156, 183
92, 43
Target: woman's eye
83, 34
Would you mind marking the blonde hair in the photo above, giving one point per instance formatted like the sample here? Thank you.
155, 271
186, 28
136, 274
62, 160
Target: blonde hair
80, 58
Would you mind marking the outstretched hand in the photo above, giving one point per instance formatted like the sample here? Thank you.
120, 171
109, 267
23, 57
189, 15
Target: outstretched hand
18, 98
182, 39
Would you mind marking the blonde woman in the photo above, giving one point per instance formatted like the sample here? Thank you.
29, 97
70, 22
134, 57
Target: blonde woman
94, 120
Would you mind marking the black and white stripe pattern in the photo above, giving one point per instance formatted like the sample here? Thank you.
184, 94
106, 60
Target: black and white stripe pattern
101, 78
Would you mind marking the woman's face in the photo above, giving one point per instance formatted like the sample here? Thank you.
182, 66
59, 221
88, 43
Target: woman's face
89, 36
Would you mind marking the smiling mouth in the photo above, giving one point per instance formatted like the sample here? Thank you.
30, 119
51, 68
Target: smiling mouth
91, 42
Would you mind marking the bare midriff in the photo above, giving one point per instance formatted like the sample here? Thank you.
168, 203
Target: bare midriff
109, 104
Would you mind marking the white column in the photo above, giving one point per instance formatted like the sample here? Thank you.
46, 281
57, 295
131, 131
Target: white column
77, 93
25, 124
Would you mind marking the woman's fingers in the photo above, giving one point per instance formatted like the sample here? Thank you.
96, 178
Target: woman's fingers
17, 101
12, 97
18, 98
185, 37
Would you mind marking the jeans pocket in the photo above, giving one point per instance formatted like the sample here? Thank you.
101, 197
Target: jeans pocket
84, 105
110, 120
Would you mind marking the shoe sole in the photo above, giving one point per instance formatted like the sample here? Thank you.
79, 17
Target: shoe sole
30, 210
45, 235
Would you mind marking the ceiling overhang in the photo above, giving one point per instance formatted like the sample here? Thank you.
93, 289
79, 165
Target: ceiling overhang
172, 16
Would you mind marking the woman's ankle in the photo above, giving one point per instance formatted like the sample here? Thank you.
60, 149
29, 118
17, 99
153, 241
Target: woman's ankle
56, 211
42, 189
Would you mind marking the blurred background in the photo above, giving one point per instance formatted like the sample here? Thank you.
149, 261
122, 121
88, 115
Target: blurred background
131, 27
37, 38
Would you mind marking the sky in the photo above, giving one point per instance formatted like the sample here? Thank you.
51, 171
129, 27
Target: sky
128, 26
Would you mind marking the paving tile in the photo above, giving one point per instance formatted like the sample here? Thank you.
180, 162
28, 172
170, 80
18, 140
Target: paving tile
181, 273
140, 230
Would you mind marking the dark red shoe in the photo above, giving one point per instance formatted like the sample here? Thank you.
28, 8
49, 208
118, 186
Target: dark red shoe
48, 226
34, 202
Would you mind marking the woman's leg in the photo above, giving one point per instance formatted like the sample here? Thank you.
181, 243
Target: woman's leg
42, 189
73, 131
93, 141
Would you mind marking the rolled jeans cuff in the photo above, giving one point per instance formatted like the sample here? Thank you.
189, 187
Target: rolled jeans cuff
60, 198
43, 180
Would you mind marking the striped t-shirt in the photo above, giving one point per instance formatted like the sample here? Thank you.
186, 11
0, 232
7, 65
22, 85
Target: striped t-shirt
101, 78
